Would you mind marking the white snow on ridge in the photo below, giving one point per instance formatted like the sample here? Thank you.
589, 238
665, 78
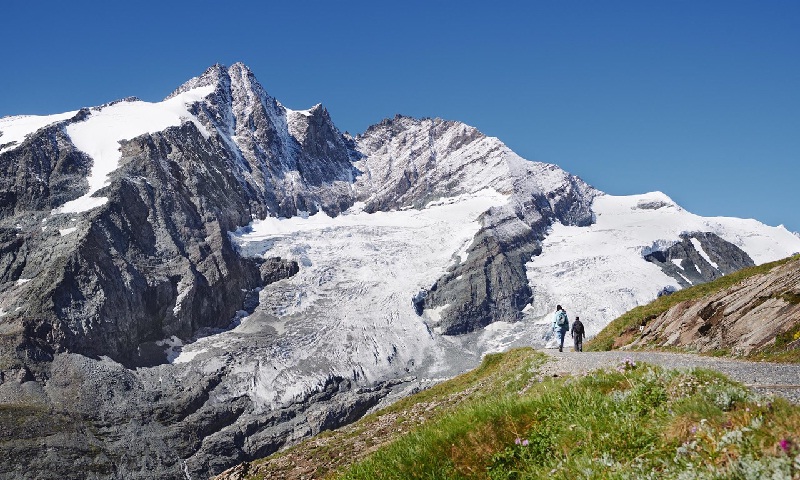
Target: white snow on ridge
99, 135
15, 129
598, 272
471, 205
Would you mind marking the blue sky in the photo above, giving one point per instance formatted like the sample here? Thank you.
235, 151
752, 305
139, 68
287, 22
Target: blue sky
698, 99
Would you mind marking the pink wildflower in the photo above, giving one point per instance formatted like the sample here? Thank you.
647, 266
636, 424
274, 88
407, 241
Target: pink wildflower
785, 445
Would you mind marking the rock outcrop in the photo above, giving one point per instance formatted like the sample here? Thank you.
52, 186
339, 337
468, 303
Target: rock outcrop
741, 319
700, 257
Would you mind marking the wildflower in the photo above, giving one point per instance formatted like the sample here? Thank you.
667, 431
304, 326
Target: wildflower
525, 443
627, 364
785, 445
518, 441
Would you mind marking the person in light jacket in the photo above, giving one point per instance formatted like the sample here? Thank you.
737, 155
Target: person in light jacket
560, 326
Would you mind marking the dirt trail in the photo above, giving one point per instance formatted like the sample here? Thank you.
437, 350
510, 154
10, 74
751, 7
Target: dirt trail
770, 378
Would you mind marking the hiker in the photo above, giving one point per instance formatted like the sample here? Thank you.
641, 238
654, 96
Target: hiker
560, 325
578, 334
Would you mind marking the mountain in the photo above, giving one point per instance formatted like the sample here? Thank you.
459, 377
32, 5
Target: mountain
192, 283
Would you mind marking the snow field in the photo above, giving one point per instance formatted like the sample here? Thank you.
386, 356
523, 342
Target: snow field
13, 130
599, 272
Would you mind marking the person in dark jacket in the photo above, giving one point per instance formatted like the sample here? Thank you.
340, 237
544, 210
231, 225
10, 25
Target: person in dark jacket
578, 334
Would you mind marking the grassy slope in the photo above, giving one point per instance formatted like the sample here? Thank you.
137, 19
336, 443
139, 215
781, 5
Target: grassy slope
504, 421
333, 451
630, 321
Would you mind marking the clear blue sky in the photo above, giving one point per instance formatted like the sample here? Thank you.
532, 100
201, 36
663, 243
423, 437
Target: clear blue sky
698, 99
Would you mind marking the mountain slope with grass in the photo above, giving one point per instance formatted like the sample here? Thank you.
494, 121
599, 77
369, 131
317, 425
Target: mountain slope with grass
510, 418
753, 312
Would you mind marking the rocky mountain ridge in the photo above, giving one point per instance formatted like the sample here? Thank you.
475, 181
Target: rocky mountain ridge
192, 283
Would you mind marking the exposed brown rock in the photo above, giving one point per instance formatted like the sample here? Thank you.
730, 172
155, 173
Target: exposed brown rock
743, 318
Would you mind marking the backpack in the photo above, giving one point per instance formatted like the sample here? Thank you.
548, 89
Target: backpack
561, 319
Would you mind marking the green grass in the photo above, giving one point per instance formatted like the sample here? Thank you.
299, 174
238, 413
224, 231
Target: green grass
638, 421
498, 375
629, 322
780, 351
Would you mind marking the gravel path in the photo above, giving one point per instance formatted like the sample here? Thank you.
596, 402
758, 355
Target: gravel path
768, 378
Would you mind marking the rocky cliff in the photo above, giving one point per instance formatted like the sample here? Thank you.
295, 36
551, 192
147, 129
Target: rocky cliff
742, 319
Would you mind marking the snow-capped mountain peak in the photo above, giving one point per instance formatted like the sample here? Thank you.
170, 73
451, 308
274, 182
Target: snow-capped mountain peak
248, 262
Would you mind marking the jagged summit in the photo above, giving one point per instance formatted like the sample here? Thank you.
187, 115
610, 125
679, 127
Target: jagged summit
218, 75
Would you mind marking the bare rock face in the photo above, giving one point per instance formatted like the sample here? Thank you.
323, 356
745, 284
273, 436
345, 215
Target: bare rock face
289, 161
156, 261
42, 173
700, 257
742, 319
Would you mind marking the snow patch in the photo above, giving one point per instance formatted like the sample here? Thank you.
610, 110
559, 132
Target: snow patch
13, 130
699, 248
173, 344
470, 205
81, 204
67, 231
99, 135
435, 314
187, 356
